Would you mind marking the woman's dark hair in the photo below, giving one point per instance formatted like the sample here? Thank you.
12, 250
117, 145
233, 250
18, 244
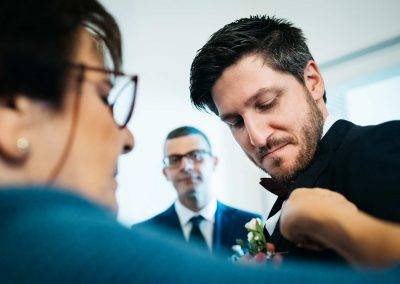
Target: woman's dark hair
37, 39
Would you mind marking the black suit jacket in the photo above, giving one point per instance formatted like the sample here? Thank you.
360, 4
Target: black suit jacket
228, 226
360, 162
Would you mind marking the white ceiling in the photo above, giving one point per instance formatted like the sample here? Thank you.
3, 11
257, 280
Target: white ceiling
333, 28
336, 28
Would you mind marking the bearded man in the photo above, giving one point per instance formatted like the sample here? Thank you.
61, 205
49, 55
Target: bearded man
258, 75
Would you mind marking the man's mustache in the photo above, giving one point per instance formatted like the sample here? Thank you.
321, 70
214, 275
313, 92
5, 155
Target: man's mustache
273, 143
189, 176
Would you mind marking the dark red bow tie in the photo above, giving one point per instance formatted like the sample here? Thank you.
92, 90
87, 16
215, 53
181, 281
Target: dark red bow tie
274, 187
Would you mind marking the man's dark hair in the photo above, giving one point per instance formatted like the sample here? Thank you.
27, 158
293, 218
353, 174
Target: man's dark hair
185, 131
282, 46
38, 38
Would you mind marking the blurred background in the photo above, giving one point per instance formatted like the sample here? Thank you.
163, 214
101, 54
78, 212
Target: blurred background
356, 44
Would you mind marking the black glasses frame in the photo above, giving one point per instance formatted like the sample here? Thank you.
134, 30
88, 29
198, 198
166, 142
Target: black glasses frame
133, 78
186, 155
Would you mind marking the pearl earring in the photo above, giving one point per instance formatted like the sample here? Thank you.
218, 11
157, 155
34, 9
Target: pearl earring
23, 145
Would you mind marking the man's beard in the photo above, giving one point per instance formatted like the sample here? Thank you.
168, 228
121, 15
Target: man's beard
311, 133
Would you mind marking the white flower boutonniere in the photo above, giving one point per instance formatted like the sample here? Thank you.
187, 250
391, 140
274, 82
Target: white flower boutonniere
256, 248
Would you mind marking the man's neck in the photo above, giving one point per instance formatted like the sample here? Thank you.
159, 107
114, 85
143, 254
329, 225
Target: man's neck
185, 213
193, 204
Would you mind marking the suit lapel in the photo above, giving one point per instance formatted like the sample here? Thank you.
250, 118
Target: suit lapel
323, 156
222, 227
170, 220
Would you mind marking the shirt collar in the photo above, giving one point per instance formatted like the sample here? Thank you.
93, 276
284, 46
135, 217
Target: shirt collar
185, 214
329, 121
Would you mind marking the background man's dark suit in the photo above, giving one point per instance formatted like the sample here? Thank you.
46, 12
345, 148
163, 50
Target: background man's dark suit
228, 226
363, 164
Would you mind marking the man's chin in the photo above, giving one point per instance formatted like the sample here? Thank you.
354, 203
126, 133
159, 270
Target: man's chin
281, 172
275, 168
191, 194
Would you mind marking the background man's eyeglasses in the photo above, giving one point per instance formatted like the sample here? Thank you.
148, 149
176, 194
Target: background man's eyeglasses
196, 156
122, 95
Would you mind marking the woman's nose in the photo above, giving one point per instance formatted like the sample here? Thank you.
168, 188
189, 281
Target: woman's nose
129, 141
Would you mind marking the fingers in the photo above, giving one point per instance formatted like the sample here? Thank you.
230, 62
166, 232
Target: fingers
307, 242
310, 213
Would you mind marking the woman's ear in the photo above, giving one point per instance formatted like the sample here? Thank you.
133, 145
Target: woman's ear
15, 113
314, 81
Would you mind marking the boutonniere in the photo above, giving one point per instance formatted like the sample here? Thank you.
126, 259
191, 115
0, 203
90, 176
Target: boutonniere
256, 248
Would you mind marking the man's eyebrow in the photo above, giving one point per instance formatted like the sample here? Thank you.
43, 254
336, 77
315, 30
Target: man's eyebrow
260, 92
225, 117
178, 154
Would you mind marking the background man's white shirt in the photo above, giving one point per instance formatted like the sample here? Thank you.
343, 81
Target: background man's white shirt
206, 226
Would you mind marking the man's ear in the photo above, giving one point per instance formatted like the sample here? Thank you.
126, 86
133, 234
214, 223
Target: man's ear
15, 115
164, 171
314, 81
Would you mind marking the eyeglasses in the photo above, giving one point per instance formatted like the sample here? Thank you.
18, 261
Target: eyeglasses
196, 156
122, 95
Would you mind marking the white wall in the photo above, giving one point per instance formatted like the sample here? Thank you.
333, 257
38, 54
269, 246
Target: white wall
364, 103
160, 42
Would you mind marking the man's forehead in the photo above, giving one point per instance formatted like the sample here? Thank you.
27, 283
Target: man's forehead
183, 144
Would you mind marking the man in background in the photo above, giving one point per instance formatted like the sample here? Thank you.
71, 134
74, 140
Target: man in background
196, 215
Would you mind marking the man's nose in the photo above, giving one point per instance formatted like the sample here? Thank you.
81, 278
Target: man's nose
258, 132
187, 164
